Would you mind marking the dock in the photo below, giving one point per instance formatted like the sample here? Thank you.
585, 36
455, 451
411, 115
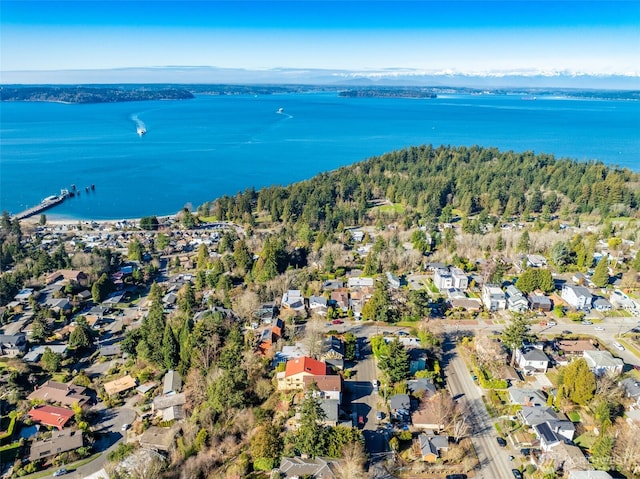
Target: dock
45, 204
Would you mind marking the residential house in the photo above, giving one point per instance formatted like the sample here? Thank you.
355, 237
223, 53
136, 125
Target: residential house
424, 417
297, 369
393, 280
59, 442
430, 446
577, 297
315, 468
493, 298
445, 278
52, 416
120, 385
329, 386
340, 299
566, 457
359, 282
527, 397
516, 301
631, 389
172, 382
59, 305
548, 439
70, 276
357, 300
532, 415
293, 299
601, 362
36, 353
12, 345
65, 394
536, 261
422, 387
158, 438
318, 305
563, 428
580, 279
400, 404
332, 284
468, 304
532, 360
169, 406
23, 295
602, 305
540, 302
574, 347
331, 409
110, 350
333, 352
288, 352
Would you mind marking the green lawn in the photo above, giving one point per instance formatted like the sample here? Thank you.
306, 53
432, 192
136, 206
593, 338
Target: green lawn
574, 416
394, 208
585, 440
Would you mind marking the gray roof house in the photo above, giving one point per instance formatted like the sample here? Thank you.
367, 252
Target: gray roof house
516, 301
601, 362
547, 437
172, 382
12, 345
631, 388
532, 360
527, 397
532, 415
577, 297
400, 402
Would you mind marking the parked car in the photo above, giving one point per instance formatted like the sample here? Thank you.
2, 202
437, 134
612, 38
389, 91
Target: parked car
501, 442
125, 426
456, 476
60, 472
337, 321
525, 452
566, 331
599, 328
379, 416
551, 323
361, 420
587, 322
618, 346
516, 473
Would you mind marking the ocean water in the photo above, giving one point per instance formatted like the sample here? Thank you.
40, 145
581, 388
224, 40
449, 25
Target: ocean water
197, 150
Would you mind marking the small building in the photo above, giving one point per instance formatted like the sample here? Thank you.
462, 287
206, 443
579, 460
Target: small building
579, 474
601, 362
631, 388
53, 416
120, 385
359, 282
158, 438
566, 457
400, 402
536, 261
340, 299
329, 385
332, 284
318, 305
318, 468
574, 347
602, 305
59, 442
172, 382
36, 353
532, 415
493, 298
577, 297
540, 302
548, 438
70, 276
393, 280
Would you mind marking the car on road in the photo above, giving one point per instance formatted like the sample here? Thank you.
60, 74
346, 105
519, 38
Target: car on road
525, 451
586, 322
60, 472
501, 442
551, 323
618, 346
599, 328
566, 331
125, 426
456, 476
516, 473
361, 420
375, 384
337, 321
379, 416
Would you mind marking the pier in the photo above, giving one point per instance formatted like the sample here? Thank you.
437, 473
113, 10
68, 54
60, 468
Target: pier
45, 204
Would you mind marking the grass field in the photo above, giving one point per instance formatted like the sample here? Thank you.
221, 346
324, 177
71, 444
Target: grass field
394, 208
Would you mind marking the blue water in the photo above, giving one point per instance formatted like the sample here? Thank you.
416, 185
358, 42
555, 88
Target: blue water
197, 150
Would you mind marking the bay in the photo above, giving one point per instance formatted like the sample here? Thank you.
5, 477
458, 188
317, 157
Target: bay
197, 150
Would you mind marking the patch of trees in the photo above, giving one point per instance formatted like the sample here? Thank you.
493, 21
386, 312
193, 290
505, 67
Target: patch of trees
429, 181
388, 92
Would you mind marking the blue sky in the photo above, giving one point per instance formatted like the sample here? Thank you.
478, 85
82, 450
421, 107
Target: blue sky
427, 36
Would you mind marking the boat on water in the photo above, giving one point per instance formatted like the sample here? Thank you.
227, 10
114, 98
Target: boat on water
280, 110
141, 131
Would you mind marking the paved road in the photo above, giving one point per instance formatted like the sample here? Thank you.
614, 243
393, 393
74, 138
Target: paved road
494, 462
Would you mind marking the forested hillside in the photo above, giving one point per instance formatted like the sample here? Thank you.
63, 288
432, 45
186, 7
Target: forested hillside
431, 181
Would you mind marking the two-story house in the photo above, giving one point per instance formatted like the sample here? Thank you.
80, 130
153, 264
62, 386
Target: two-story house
577, 297
532, 360
493, 298
297, 369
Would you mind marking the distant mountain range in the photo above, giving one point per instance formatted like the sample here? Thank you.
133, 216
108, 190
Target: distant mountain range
276, 76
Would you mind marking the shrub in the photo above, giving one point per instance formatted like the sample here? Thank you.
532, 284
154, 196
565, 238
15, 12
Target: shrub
263, 464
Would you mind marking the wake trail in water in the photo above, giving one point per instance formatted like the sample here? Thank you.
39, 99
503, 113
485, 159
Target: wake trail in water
141, 128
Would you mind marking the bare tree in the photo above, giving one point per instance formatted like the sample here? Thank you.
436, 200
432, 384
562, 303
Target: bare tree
627, 447
147, 467
353, 460
442, 408
246, 304
314, 336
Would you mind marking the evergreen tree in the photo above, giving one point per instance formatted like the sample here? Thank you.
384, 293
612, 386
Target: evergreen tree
154, 326
50, 360
601, 273
311, 438
185, 345
40, 329
187, 299
135, 250
81, 337
170, 348
579, 383
202, 260
396, 362
515, 335
524, 243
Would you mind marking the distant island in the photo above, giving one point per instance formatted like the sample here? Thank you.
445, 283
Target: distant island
89, 94
389, 92
141, 92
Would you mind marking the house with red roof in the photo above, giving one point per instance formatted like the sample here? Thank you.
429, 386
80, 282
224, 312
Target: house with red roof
52, 416
297, 369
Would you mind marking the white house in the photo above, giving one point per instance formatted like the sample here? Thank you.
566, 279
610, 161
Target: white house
532, 360
493, 298
577, 297
445, 278
360, 282
547, 437
516, 301
574, 474
536, 261
292, 299
601, 362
